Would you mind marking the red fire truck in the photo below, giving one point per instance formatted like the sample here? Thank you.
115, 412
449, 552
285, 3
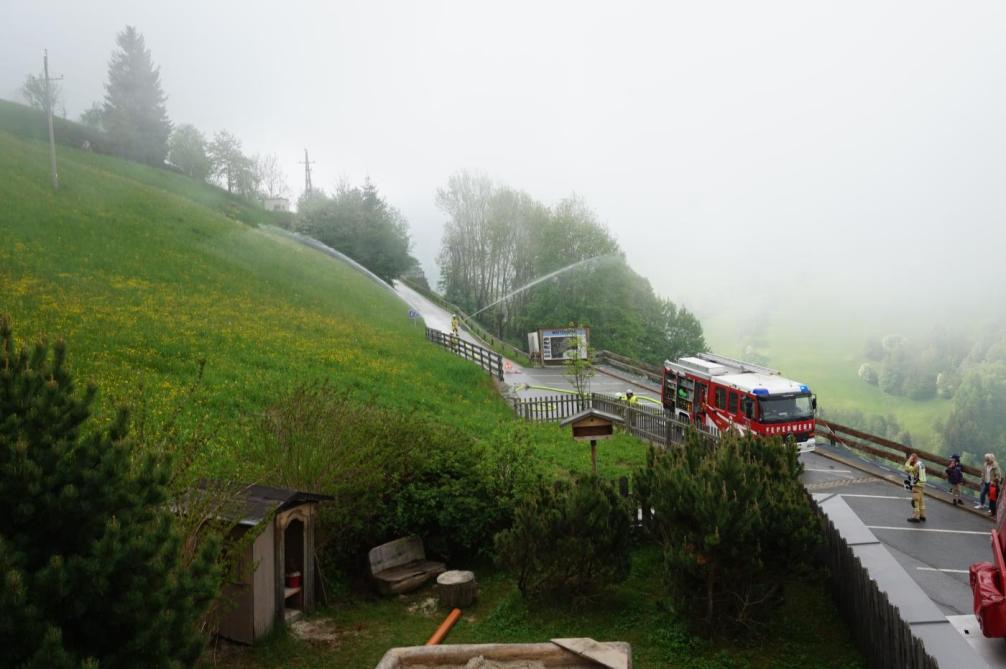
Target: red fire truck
718, 393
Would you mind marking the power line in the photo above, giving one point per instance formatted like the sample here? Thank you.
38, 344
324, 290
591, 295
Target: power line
48, 109
307, 172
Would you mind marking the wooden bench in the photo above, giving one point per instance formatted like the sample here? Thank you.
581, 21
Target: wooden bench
401, 566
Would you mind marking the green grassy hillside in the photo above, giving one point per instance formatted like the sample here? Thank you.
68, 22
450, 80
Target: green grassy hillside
28, 123
143, 272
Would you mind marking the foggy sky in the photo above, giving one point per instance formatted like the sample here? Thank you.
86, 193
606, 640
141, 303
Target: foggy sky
760, 154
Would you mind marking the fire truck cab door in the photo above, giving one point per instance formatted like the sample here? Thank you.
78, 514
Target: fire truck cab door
747, 405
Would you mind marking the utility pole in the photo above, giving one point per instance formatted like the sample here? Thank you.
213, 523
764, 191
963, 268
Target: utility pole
48, 109
307, 172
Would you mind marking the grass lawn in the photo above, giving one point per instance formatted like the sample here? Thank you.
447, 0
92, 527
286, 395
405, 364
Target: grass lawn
805, 633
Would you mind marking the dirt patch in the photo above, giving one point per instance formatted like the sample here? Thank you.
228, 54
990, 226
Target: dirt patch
317, 630
423, 607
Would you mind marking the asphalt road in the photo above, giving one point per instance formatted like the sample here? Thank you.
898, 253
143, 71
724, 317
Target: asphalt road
936, 554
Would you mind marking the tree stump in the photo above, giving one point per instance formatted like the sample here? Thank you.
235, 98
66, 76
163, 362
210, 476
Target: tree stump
457, 589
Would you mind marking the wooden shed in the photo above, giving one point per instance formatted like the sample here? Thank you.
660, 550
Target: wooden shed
284, 520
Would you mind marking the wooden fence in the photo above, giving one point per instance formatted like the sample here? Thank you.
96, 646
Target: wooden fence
648, 423
473, 326
491, 361
892, 451
636, 367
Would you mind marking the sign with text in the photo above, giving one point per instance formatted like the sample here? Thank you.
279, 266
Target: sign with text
559, 344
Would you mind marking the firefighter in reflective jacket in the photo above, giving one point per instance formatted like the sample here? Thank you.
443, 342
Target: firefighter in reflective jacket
454, 324
916, 471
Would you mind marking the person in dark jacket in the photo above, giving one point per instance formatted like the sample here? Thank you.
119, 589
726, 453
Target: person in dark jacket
955, 477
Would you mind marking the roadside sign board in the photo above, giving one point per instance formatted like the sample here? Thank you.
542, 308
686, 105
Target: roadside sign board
560, 344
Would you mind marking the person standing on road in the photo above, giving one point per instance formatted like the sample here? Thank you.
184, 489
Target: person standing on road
454, 324
995, 483
917, 475
955, 477
986, 480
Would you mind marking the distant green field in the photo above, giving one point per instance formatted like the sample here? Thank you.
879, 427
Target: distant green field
827, 358
145, 272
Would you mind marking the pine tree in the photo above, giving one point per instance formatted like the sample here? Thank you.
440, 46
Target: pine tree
90, 559
567, 542
734, 523
134, 115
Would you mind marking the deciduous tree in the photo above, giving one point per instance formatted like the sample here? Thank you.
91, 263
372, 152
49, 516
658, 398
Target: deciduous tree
187, 151
230, 164
270, 176
498, 240
359, 223
33, 92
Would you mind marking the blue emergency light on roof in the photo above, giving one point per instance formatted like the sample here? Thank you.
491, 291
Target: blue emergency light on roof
804, 389
760, 391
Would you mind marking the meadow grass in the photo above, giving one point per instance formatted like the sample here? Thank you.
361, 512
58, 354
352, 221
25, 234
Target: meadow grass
22, 121
143, 284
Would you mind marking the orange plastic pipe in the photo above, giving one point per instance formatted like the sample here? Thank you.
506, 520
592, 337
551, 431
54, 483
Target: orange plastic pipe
444, 628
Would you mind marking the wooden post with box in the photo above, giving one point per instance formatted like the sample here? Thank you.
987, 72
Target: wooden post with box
593, 425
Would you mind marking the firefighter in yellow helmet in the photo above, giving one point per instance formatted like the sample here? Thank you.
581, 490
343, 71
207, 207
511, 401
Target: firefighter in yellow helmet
454, 324
916, 471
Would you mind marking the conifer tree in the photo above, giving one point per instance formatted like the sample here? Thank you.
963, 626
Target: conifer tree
90, 558
734, 523
568, 541
134, 115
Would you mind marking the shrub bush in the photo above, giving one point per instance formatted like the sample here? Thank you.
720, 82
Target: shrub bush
568, 541
868, 373
393, 474
734, 523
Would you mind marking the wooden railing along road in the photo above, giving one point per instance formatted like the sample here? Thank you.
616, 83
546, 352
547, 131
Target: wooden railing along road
491, 361
653, 425
637, 367
891, 451
648, 423
473, 326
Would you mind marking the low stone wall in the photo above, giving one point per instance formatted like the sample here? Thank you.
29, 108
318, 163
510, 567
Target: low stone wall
894, 622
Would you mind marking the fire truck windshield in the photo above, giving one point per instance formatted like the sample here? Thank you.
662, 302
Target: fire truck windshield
786, 408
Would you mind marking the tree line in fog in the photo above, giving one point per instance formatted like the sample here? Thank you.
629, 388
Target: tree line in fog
498, 239
133, 119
